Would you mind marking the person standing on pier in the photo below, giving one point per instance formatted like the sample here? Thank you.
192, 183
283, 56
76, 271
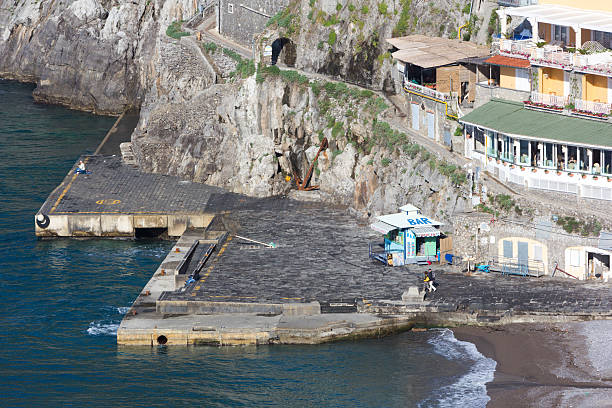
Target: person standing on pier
431, 276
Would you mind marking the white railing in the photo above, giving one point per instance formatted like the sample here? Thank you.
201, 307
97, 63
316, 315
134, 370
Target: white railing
516, 48
432, 93
592, 107
561, 59
548, 99
600, 63
517, 3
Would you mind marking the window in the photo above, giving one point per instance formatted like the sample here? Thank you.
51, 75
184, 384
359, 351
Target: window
574, 256
537, 253
230, 8
560, 34
606, 166
604, 39
508, 249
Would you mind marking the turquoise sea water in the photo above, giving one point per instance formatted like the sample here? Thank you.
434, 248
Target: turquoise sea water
61, 302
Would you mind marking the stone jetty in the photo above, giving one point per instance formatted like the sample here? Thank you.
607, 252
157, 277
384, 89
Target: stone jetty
313, 283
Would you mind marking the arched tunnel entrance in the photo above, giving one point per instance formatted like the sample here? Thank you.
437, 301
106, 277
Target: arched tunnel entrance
284, 49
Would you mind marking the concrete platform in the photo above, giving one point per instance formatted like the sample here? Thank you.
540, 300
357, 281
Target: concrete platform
117, 200
319, 285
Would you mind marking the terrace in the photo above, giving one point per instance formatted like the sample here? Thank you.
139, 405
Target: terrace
537, 150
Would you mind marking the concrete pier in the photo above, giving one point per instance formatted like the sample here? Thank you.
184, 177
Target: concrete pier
318, 285
315, 284
117, 200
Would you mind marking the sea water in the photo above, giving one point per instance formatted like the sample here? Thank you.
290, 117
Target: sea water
61, 302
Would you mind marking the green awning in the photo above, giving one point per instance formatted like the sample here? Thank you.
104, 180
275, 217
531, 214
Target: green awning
512, 119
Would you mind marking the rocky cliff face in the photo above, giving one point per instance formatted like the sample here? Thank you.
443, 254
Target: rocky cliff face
346, 39
94, 55
250, 135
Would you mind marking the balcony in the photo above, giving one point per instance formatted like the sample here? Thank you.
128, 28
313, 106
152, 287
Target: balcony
517, 3
553, 58
546, 102
425, 91
516, 48
590, 109
598, 64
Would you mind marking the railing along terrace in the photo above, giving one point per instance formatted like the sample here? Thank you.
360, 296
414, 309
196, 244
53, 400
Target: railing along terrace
517, 3
600, 63
561, 59
516, 48
548, 100
432, 93
599, 108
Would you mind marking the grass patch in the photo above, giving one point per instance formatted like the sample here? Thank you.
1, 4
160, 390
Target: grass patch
175, 30
331, 39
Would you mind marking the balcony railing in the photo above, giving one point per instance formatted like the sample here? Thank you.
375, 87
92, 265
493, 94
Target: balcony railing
548, 100
599, 109
599, 64
423, 90
516, 3
516, 48
551, 58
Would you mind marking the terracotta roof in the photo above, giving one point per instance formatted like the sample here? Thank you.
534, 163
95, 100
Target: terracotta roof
508, 61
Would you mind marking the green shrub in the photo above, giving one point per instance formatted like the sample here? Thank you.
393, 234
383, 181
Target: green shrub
365, 9
210, 47
385, 162
331, 40
175, 30
351, 7
337, 130
382, 8
338, 7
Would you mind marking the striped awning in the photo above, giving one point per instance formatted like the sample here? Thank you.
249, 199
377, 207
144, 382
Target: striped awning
427, 231
382, 227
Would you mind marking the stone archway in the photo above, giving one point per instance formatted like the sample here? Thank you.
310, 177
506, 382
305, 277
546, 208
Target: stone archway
284, 49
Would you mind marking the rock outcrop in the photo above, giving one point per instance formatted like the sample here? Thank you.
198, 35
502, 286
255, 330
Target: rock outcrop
93, 55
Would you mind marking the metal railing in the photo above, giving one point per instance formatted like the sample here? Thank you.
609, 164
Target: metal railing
548, 99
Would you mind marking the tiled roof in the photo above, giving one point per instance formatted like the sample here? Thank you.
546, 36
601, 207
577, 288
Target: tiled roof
508, 61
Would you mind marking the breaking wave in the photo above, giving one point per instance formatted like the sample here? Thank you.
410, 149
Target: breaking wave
102, 328
470, 389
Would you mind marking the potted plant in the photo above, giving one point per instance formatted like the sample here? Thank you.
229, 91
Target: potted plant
584, 176
498, 161
490, 159
512, 166
571, 174
522, 168
558, 173
595, 178
533, 170
546, 171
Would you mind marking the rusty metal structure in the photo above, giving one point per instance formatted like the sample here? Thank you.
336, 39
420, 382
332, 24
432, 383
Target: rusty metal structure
302, 185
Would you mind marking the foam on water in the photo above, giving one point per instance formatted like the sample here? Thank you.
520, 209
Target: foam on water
470, 389
102, 328
123, 310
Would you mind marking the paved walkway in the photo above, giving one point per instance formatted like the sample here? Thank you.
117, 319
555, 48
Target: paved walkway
322, 255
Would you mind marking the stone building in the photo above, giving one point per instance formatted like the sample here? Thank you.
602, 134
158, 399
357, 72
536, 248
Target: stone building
241, 21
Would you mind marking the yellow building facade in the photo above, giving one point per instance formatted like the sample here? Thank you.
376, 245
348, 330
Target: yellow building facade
597, 5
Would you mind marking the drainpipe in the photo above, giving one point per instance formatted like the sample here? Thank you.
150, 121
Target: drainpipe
469, 19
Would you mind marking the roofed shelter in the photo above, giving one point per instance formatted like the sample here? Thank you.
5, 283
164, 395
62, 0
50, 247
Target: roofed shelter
409, 237
435, 62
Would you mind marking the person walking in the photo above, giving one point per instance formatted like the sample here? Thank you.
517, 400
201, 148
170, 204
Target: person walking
431, 276
81, 168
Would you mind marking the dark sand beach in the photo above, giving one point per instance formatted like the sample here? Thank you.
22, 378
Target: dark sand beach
560, 365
